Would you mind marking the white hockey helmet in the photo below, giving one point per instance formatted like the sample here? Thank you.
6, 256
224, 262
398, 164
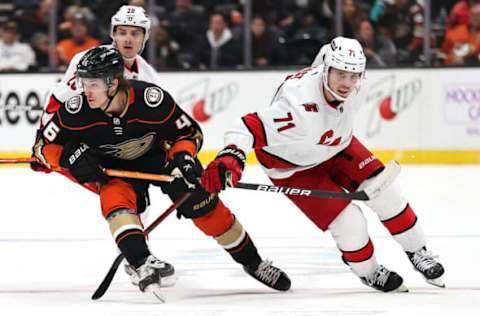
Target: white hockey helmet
131, 16
319, 59
343, 54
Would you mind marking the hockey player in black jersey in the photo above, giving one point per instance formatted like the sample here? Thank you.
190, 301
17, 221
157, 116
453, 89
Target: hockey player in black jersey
134, 125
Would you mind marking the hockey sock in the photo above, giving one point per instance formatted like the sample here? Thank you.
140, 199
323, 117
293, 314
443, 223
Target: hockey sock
133, 246
238, 244
127, 230
246, 253
230, 234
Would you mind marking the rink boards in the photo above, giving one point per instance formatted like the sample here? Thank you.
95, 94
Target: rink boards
411, 115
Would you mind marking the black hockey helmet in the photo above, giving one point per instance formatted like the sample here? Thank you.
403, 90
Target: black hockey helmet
102, 62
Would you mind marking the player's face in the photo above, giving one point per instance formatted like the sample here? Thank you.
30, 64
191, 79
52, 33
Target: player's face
129, 40
342, 82
95, 91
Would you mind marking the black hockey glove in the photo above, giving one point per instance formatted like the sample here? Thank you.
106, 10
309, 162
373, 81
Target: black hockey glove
83, 166
186, 168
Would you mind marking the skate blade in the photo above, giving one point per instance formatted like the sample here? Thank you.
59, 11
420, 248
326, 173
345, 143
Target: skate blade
166, 281
401, 289
156, 291
169, 281
436, 282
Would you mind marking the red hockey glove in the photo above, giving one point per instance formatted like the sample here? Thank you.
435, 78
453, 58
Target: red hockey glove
226, 169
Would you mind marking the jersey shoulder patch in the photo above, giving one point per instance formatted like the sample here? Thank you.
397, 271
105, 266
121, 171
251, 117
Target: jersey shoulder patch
74, 104
153, 96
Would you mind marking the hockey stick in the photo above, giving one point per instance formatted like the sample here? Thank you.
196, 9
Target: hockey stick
103, 287
383, 180
371, 191
379, 183
108, 172
17, 160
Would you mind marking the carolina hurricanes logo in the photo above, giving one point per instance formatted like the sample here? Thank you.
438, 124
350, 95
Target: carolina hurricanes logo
130, 149
327, 139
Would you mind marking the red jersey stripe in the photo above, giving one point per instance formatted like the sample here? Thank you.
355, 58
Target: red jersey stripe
81, 127
401, 222
360, 255
256, 128
271, 161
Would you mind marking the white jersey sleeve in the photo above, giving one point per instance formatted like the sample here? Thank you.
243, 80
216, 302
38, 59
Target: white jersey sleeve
145, 72
299, 130
62, 91
67, 87
242, 135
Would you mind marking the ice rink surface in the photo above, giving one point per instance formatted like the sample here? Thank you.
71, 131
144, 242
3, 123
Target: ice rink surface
56, 248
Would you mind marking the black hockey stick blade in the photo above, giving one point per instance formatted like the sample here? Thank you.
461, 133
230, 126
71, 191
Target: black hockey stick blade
103, 287
359, 195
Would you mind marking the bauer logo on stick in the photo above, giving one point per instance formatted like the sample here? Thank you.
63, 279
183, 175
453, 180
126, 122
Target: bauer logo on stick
291, 191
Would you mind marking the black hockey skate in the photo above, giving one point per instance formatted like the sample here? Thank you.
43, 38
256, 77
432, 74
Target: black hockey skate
424, 262
167, 273
384, 280
148, 276
270, 275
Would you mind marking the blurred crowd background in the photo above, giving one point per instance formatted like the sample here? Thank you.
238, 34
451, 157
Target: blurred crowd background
43, 35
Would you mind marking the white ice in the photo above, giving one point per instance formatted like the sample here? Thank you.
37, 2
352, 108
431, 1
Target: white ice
55, 248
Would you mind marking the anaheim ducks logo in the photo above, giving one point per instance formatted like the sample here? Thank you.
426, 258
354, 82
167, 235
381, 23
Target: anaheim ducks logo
153, 96
130, 149
74, 104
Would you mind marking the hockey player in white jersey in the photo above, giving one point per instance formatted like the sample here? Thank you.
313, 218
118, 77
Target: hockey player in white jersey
305, 139
129, 30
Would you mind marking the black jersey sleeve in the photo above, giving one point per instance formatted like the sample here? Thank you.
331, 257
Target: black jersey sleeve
185, 127
171, 122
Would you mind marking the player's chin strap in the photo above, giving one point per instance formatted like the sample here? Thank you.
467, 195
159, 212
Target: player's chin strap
330, 90
326, 70
110, 99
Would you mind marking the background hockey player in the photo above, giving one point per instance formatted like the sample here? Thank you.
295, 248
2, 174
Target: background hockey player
305, 140
134, 125
129, 30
